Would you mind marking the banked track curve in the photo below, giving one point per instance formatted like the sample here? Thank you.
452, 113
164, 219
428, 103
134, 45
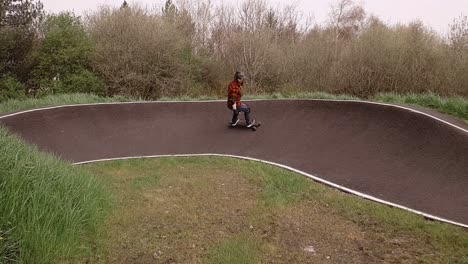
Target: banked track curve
407, 158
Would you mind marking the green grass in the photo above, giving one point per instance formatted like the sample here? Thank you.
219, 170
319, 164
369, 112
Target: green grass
49, 210
147, 175
236, 250
189, 98
307, 95
279, 189
455, 106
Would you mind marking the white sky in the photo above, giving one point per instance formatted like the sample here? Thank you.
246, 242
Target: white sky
437, 14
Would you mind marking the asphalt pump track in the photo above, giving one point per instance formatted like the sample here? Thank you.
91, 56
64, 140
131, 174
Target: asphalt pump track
414, 159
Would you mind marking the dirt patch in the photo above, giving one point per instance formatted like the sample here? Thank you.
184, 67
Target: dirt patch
180, 218
183, 213
307, 233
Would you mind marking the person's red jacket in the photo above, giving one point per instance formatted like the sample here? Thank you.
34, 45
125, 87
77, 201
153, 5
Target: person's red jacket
234, 94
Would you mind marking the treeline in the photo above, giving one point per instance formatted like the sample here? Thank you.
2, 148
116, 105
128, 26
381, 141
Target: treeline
193, 47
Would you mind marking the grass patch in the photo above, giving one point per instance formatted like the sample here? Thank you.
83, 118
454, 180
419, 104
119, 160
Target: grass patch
279, 189
455, 106
236, 250
189, 98
304, 95
49, 211
218, 210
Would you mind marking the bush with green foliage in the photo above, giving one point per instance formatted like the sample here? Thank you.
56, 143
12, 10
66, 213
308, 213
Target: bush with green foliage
82, 81
11, 88
64, 57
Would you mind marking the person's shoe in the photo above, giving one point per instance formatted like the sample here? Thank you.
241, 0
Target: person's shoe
251, 123
235, 123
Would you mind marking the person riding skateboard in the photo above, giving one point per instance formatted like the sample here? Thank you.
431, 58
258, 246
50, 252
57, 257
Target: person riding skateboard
234, 100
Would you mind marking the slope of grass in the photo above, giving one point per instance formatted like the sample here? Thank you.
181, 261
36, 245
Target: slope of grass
49, 210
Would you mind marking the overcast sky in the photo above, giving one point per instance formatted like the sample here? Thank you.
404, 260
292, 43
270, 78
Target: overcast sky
437, 14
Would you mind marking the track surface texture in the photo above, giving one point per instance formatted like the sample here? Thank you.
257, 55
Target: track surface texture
389, 153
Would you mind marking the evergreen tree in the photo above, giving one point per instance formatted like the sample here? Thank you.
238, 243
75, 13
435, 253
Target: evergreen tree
19, 20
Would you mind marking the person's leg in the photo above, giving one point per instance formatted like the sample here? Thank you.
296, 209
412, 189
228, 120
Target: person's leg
235, 119
244, 108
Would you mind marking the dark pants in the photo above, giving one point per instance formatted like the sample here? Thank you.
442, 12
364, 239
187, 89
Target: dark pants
243, 108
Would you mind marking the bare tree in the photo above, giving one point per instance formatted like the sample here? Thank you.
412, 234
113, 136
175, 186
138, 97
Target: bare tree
222, 30
346, 17
201, 13
197, 42
458, 35
251, 15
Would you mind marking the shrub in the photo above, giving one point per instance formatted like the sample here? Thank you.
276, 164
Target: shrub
11, 88
139, 53
83, 81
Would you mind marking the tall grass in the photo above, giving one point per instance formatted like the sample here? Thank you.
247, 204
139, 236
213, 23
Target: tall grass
49, 211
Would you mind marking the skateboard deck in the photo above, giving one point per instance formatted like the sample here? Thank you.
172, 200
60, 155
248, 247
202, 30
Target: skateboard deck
254, 127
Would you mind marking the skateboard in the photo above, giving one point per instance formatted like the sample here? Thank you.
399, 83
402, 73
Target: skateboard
254, 127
